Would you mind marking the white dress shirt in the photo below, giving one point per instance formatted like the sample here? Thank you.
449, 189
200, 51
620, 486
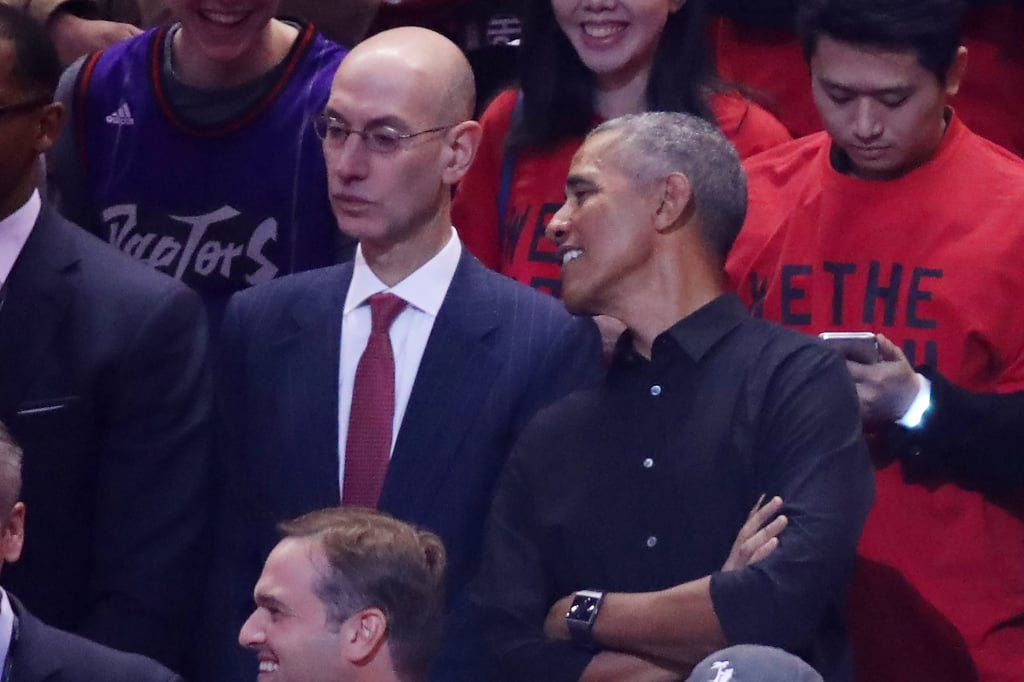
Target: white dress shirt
424, 292
14, 232
6, 627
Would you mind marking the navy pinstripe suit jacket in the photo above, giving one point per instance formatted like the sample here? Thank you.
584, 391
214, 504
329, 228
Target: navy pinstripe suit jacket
497, 353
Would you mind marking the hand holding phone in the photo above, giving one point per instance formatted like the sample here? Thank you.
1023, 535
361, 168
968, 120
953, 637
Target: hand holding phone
859, 347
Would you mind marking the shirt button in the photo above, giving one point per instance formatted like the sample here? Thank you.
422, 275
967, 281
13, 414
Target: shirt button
648, 463
916, 452
655, 390
651, 542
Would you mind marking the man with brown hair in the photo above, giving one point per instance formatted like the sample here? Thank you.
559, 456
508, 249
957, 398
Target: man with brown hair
349, 595
30, 650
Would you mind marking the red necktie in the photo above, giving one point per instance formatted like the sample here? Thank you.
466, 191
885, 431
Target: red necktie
368, 446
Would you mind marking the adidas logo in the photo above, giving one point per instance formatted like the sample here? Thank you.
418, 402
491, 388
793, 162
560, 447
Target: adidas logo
121, 117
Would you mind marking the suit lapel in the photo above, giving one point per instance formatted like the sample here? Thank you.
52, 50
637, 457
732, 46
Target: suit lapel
454, 377
38, 292
311, 354
33, 657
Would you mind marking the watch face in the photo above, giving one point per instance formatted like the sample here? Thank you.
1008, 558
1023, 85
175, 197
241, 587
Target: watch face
583, 608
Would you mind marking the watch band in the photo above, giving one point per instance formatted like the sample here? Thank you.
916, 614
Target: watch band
582, 615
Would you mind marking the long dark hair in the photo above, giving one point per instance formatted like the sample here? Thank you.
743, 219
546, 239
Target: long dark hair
558, 88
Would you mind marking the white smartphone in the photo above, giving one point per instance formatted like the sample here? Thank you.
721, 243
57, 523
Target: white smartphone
860, 347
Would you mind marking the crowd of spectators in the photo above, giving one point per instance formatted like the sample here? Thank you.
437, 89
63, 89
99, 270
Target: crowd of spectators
479, 340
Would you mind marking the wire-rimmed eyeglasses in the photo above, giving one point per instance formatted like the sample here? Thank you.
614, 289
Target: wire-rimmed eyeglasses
21, 107
381, 139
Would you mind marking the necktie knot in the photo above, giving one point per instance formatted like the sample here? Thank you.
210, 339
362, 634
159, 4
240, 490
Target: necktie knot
384, 308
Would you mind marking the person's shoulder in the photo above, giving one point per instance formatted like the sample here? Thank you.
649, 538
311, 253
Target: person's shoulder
289, 289
990, 157
511, 296
116, 275
82, 660
750, 127
790, 158
119, 53
498, 113
319, 46
770, 342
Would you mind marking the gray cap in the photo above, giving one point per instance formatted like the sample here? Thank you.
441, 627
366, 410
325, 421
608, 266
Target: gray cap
752, 663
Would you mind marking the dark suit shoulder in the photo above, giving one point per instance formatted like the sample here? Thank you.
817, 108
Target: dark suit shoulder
536, 322
297, 284
46, 653
105, 268
514, 293
281, 295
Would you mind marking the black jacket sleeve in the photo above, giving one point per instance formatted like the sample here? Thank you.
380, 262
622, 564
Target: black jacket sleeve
974, 438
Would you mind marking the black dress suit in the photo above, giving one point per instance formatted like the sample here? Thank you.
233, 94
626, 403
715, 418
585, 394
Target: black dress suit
975, 439
104, 383
498, 352
46, 654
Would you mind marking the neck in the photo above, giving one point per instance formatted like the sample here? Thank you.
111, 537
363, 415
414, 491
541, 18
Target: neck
19, 197
379, 669
393, 262
683, 285
620, 95
197, 69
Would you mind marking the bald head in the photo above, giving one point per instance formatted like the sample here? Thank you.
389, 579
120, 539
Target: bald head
436, 62
412, 89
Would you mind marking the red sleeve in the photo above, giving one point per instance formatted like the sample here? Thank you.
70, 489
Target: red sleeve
749, 127
770, 62
475, 207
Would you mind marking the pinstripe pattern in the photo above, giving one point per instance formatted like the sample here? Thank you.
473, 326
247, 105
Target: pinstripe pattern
497, 353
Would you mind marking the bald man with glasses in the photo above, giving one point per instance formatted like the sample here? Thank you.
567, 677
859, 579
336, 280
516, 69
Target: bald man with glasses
398, 381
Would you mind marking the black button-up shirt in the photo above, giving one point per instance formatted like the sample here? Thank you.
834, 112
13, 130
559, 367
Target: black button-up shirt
643, 483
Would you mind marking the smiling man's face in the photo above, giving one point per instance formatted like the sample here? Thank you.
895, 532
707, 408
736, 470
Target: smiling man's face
288, 629
604, 230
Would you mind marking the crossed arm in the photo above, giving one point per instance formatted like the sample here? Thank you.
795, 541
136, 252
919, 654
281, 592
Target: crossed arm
808, 449
643, 637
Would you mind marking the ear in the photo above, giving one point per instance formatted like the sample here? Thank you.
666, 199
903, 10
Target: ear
363, 634
956, 71
461, 143
50, 121
12, 536
675, 203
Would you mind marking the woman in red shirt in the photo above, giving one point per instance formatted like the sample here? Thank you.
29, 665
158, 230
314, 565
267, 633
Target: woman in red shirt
584, 61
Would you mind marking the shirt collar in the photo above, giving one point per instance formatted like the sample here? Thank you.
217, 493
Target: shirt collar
6, 626
14, 232
424, 289
696, 334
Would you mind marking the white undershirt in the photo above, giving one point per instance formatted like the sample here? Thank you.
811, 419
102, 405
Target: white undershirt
922, 401
6, 627
424, 291
14, 232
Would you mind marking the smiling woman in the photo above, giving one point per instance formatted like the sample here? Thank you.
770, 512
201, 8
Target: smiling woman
582, 62
220, 47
